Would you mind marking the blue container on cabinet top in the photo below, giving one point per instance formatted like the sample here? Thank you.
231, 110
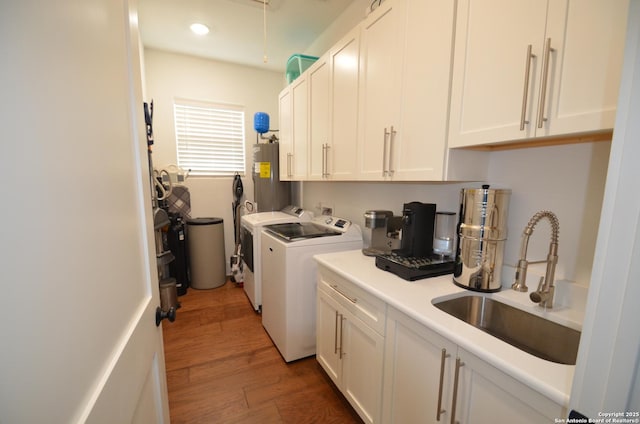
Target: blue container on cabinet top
297, 64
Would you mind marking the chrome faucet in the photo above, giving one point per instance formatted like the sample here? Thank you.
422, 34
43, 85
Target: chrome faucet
544, 294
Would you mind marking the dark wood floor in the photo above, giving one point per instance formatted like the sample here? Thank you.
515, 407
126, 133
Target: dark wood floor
223, 368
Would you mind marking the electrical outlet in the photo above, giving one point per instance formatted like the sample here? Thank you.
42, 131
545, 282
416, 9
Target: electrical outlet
324, 208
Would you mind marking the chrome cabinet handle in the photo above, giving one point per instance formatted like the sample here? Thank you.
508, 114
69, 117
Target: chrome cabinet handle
525, 91
289, 157
324, 158
350, 299
326, 163
342, 318
542, 99
384, 152
392, 138
443, 358
459, 364
335, 335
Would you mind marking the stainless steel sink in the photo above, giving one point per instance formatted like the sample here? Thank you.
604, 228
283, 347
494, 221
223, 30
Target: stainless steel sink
533, 334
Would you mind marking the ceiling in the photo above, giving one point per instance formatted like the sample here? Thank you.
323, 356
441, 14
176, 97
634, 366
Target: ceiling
237, 30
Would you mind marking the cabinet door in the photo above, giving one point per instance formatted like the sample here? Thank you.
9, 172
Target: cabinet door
488, 91
419, 146
328, 324
587, 38
318, 80
300, 107
362, 356
344, 105
380, 65
285, 151
415, 358
486, 394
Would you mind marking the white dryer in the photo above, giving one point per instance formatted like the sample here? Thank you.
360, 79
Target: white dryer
289, 278
250, 227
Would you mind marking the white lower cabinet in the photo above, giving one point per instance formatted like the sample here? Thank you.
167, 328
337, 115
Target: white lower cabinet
428, 378
415, 362
348, 348
486, 394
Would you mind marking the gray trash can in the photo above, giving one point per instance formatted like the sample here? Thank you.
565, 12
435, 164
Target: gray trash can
206, 252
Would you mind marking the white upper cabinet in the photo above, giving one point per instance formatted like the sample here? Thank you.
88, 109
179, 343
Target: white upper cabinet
404, 98
285, 148
300, 130
531, 68
419, 147
382, 35
590, 38
319, 141
343, 106
294, 134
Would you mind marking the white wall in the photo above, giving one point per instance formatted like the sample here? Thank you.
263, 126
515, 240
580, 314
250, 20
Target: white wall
351, 16
567, 180
169, 75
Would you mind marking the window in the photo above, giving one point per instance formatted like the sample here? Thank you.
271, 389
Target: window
209, 138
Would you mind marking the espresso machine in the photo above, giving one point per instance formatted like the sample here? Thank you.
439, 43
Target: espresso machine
382, 232
416, 259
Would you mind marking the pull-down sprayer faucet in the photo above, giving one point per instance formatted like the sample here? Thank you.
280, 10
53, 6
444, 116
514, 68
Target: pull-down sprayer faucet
544, 294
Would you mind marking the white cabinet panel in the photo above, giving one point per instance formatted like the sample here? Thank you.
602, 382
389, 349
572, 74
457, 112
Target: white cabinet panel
416, 357
300, 130
419, 149
319, 141
485, 394
293, 104
362, 353
585, 67
327, 332
345, 73
285, 150
490, 66
381, 63
404, 97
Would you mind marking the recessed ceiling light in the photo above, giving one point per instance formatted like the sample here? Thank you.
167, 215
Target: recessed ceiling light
200, 29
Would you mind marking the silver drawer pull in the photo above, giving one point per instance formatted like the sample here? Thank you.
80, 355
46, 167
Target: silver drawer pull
387, 134
527, 72
341, 352
542, 99
350, 299
443, 357
392, 139
335, 336
454, 402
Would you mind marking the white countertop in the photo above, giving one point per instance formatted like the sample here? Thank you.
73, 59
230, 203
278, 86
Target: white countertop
414, 298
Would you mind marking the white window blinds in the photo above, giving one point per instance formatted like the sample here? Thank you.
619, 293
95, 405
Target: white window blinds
209, 138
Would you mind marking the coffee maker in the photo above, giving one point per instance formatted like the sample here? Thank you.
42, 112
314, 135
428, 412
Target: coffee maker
383, 231
416, 258
418, 220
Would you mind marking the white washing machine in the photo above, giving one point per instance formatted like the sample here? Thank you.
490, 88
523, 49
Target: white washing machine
289, 278
250, 227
